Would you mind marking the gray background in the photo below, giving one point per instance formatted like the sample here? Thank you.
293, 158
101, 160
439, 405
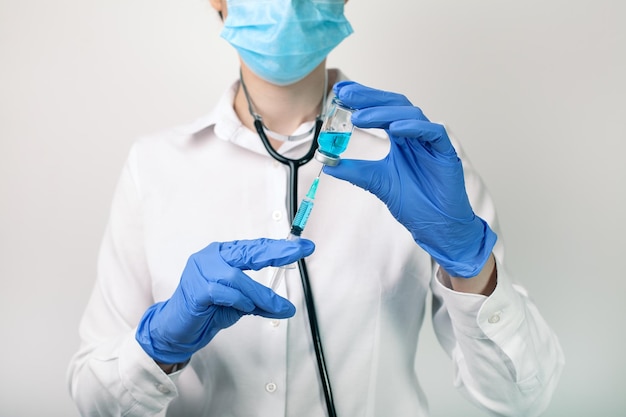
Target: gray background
535, 90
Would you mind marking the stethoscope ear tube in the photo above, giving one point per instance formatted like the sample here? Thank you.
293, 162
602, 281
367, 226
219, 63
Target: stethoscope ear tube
292, 191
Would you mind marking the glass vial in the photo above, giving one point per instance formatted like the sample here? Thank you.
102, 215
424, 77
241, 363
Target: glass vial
335, 133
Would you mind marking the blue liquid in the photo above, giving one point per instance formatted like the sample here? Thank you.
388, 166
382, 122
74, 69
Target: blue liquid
333, 144
304, 211
302, 215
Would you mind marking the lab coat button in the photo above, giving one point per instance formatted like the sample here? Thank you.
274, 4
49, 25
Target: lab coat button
277, 215
270, 387
494, 318
163, 389
275, 323
276, 164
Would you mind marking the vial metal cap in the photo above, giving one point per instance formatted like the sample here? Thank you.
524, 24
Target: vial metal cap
325, 159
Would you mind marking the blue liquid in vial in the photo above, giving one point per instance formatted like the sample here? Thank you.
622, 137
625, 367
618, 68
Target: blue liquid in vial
333, 143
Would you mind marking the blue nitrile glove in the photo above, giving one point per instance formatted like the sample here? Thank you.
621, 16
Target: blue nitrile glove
214, 293
420, 180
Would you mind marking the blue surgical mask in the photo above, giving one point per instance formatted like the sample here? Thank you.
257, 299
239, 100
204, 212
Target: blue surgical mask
282, 41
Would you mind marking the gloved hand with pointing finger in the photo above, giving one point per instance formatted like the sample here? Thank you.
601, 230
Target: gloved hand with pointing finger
214, 293
421, 179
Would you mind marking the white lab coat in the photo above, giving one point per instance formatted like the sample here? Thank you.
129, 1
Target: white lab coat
213, 181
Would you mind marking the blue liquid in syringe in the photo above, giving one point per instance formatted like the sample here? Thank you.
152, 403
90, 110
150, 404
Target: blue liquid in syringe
302, 216
333, 143
304, 211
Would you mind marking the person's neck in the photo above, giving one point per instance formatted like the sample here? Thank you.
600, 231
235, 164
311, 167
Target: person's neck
283, 108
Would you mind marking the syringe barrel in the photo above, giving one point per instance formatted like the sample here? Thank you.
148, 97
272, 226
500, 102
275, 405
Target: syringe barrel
302, 215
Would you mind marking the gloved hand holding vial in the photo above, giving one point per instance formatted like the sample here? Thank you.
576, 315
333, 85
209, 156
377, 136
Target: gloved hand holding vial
421, 179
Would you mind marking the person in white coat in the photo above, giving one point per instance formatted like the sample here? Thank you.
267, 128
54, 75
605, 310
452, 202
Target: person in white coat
181, 321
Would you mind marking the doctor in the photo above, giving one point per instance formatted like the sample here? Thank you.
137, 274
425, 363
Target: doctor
180, 326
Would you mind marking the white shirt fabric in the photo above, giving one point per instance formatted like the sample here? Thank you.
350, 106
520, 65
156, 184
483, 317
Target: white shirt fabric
213, 181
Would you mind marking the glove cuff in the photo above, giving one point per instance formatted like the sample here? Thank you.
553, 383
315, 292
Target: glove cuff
155, 349
469, 260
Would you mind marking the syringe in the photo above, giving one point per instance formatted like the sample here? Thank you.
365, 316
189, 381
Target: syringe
297, 226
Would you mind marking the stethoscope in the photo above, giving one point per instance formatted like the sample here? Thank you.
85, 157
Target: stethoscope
292, 206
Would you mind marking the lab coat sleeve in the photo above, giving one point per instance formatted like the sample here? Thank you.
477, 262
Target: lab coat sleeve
506, 358
111, 375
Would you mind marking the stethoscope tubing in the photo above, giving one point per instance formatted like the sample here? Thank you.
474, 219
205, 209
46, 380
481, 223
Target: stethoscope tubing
292, 203
293, 164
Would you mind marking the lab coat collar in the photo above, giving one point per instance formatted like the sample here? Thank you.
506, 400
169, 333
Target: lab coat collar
228, 127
